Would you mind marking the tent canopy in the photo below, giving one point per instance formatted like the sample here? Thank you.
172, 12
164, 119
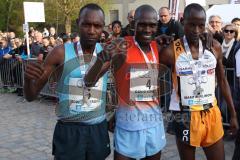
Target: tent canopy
226, 11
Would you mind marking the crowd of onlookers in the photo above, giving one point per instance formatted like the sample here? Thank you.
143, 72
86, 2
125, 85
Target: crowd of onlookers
42, 42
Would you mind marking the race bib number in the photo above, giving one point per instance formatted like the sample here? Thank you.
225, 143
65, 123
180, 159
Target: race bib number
84, 99
197, 93
143, 84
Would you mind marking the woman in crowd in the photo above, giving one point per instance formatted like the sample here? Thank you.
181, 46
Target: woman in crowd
236, 154
52, 41
116, 30
229, 46
229, 50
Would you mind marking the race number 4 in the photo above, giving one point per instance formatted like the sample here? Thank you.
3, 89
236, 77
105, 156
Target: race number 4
148, 85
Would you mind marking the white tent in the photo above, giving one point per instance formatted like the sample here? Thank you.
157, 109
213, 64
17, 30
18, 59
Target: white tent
226, 11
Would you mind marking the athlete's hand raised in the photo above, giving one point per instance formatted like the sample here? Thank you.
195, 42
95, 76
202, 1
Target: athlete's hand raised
164, 40
34, 70
115, 51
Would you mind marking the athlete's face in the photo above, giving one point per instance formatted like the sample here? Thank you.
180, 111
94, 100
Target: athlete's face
91, 23
145, 27
194, 25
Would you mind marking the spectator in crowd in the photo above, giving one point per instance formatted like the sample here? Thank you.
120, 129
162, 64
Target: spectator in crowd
24, 53
229, 49
11, 35
66, 38
18, 53
19, 50
167, 25
59, 41
45, 32
12, 44
75, 37
236, 22
45, 49
4, 49
215, 27
109, 29
52, 32
52, 41
129, 29
4, 35
18, 42
116, 30
31, 29
104, 37
229, 46
35, 46
31, 32
5, 71
236, 155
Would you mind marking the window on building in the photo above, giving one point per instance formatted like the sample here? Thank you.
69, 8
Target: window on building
114, 15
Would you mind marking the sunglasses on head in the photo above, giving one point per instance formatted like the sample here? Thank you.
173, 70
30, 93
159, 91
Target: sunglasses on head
226, 31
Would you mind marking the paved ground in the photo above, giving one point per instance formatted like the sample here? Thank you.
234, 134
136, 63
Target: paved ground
26, 131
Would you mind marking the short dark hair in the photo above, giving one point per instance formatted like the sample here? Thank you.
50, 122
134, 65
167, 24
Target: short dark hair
91, 6
190, 7
144, 8
164, 8
74, 35
116, 22
235, 19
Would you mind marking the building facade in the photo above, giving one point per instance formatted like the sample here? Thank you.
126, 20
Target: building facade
118, 9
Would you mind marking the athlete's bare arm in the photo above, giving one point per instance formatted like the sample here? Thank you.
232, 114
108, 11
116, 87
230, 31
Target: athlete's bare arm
36, 74
114, 57
166, 55
223, 84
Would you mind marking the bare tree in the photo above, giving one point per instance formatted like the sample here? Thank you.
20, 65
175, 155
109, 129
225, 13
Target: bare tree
9, 6
69, 7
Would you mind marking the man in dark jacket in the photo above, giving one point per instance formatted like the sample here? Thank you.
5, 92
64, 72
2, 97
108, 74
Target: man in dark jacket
129, 29
167, 25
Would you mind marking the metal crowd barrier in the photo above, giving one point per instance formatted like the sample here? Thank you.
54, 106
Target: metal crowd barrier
11, 75
12, 72
47, 90
234, 87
